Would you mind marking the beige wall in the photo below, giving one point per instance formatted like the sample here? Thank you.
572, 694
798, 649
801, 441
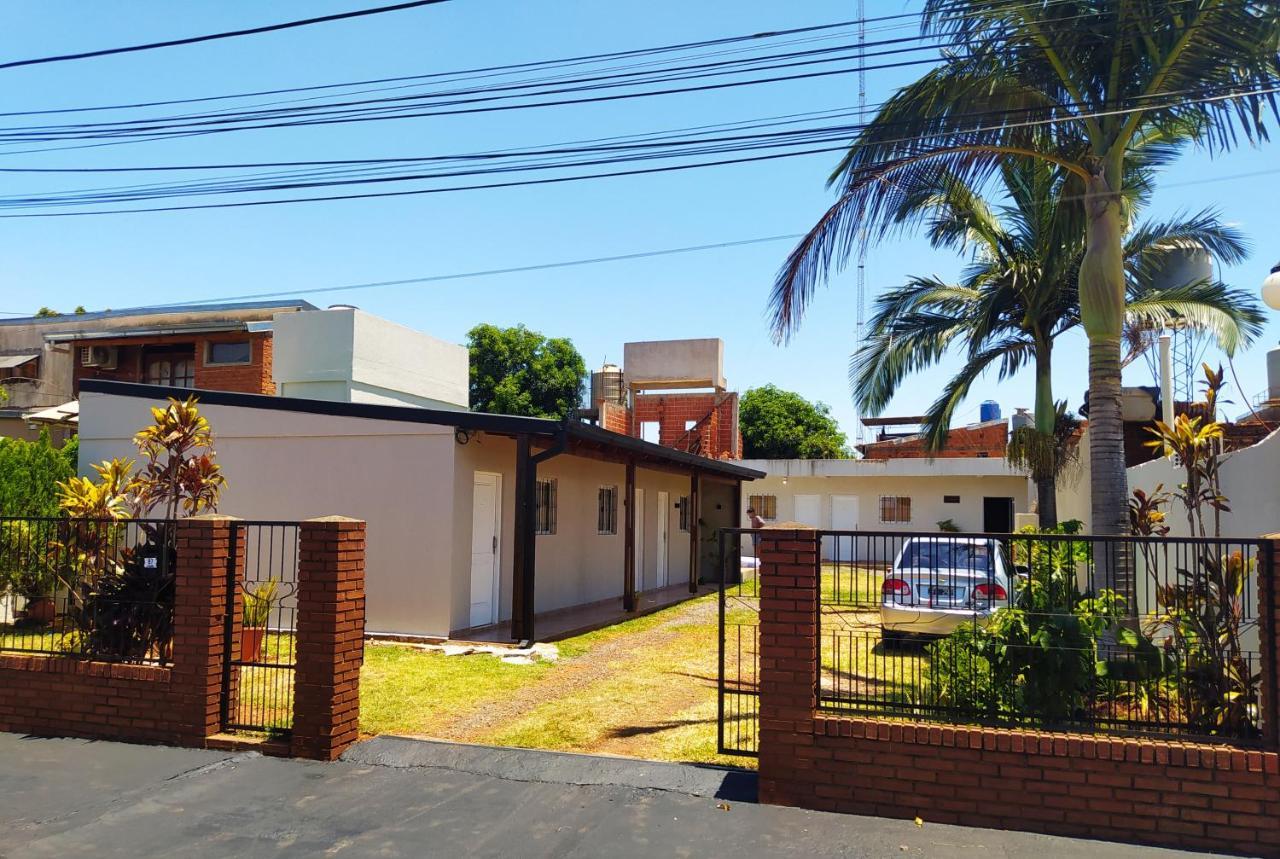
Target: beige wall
576, 564
1250, 481
412, 483
926, 494
292, 466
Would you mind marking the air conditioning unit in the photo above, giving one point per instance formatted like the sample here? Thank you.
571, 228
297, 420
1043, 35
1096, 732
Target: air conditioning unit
102, 357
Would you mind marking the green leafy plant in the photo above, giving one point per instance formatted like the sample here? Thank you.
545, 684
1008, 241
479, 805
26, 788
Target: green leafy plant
949, 526
778, 424
259, 602
120, 598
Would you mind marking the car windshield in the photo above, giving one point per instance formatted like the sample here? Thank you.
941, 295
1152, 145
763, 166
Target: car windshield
948, 555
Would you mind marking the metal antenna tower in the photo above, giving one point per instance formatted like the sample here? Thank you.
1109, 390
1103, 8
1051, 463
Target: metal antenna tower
860, 318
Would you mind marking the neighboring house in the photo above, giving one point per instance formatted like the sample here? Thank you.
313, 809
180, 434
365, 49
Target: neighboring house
901, 438
473, 519
670, 392
906, 494
289, 347
43, 360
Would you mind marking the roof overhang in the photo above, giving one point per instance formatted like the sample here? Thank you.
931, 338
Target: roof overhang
620, 447
67, 413
159, 331
8, 362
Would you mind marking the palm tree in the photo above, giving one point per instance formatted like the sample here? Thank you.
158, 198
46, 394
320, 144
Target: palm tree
1076, 83
1020, 294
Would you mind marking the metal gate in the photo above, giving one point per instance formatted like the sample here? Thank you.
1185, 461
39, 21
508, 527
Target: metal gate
260, 659
738, 690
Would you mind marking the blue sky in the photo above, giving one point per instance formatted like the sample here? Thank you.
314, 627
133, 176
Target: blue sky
120, 261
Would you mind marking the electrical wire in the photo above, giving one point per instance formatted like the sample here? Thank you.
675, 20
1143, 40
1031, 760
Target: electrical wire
229, 34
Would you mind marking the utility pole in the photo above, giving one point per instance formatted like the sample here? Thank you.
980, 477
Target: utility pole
860, 317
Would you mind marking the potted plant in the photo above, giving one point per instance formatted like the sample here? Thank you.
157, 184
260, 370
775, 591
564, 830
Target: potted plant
28, 572
258, 603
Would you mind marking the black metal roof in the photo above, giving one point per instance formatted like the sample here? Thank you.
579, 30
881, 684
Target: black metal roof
466, 420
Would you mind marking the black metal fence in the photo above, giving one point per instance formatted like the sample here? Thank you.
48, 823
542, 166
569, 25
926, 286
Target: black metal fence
1152, 636
738, 699
1147, 635
258, 678
90, 589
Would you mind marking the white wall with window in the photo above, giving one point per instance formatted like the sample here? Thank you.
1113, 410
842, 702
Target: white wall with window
911, 495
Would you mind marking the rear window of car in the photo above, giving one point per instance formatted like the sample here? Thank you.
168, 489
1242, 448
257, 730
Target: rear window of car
940, 555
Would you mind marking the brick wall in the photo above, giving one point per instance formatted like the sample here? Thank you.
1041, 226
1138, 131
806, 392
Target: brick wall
615, 418
330, 637
252, 378
987, 440
181, 703
717, 414
1176, 794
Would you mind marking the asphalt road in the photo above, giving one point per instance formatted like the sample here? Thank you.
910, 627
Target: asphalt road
407, 798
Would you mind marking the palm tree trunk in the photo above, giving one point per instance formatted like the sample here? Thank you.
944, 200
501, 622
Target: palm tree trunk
1102, 314
1045, 419
1047, 502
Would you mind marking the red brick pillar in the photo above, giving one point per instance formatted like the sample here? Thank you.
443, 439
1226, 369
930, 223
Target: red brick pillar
330, 637
1268, 638
788, 662
204, 559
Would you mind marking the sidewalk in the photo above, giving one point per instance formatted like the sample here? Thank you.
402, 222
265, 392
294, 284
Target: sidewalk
393, 797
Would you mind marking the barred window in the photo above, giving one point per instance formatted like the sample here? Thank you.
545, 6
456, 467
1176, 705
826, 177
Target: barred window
607, 510
684, 512
544, 517
895, 508
766, 506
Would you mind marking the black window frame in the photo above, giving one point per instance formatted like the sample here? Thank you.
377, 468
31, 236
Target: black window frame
544, 516
898, 503
607, 510
209, 360
684, 513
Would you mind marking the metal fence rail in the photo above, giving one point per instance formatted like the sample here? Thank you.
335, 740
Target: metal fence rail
87, 588
1156, 636
258, 675
739, 644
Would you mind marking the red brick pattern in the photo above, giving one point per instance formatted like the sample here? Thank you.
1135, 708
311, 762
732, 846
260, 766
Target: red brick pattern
716, 415
176, 704
181, 704
1176, 794
252, 378
330, 637
988, 441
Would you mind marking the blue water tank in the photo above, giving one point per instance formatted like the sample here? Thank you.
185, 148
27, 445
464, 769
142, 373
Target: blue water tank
989, 411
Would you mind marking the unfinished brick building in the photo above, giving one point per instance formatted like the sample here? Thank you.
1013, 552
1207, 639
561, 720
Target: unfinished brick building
671, 392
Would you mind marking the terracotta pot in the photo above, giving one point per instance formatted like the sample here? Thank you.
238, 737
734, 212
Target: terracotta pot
252, 638
41, 610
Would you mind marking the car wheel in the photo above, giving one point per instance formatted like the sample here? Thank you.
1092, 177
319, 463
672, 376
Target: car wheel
891, 637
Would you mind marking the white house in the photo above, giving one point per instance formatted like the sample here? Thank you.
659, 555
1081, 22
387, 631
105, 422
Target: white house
473, 519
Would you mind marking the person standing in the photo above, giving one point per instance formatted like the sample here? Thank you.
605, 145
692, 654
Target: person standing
754, 521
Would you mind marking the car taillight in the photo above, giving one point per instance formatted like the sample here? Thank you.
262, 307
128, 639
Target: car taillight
895, 588
989, 591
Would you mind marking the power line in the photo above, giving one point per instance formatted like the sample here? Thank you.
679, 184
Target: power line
229, 34
20, 202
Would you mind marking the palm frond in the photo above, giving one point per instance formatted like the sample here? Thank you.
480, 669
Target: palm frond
1232, 316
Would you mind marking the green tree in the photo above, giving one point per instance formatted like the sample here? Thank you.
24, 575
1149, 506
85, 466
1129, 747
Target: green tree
29, 475
1094, 78
515, 371
46, 313
778, 424
1019, 295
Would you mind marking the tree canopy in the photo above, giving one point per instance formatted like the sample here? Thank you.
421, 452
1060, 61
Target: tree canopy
778, 424
30, 472
515, 371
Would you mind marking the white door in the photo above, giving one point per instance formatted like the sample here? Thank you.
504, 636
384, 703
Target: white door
809, 510
664, 536
639, 514
844, 517
486, 509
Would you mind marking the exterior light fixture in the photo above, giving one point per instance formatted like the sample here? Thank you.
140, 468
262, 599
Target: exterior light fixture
1271, 288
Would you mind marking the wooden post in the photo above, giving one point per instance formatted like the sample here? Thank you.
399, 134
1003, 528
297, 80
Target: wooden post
522, 562
691, 516
629, 541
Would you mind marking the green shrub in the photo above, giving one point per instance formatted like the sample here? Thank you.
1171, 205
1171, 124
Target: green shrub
29, 475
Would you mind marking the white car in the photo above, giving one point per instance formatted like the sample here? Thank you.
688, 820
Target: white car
938, 583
